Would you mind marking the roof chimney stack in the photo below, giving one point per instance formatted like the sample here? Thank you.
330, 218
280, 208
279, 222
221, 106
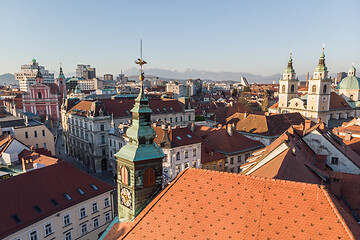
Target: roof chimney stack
229, 129
335, 183
307, 124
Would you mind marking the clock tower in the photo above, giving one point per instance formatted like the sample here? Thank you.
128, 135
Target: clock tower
139, 162
318, 102
288, 85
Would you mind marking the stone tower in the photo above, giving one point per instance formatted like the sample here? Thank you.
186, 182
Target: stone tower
139, 162
318, 101
288, 85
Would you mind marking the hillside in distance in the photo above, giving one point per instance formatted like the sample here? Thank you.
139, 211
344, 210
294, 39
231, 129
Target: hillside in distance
7, 78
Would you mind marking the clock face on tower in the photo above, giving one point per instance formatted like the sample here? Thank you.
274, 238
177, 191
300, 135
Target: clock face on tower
126, 198
324, 98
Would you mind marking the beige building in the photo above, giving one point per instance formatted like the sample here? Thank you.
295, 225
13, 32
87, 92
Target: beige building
38, 136
79, 208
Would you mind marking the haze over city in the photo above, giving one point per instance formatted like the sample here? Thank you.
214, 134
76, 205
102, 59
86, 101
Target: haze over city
235, 36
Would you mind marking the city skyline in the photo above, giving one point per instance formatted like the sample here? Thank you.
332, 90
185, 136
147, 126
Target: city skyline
211, 36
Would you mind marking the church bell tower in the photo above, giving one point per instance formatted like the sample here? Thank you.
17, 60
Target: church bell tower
139, 162
288, 86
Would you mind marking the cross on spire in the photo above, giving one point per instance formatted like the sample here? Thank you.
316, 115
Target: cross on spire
140, 61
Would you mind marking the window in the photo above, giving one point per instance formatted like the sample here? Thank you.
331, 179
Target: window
171, 120
220, 165
107, 217
214, 166
94, 207
208, 167
44, 145
110, 142
292, 89
283, 88
82, 212
83, 229
178, 156
80, 191
48, 229
194, 152
149, 177
96, 222
26, 135
186, 154
324, 89
35, 133
335, 160
313, 89
232, 160
67, 196
189, 118
67, 236
36, 146
39, 95
33, 235
247, 156
102, 128
66, 220
232, 170
102, 139
239, 158
124, 174
103, 151
106, 202
43, 132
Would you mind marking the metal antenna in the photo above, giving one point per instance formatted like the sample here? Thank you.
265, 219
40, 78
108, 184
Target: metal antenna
141, 49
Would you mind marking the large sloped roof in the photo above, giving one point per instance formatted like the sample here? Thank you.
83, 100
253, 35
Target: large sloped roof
202, 204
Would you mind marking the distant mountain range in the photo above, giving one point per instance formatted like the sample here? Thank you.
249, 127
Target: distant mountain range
7, 78
207, 75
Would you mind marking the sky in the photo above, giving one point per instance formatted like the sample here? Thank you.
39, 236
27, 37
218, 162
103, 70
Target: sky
235, 36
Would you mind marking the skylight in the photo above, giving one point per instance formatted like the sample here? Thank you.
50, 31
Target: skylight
94, 187
54, 202
37, 209
80, 191
178, 137
16, 218
67, 196
189, 136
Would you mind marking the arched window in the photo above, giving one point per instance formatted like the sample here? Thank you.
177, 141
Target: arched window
292, 88
313, 88
283, 88
39, 94
324, 89
124, 173
149, 177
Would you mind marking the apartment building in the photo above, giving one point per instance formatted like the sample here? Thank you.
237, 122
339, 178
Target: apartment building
55, 202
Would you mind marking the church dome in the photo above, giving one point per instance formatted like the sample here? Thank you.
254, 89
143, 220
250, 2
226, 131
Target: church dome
351, 81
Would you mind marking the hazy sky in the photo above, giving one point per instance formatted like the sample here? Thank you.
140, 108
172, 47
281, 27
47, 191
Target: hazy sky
241, 36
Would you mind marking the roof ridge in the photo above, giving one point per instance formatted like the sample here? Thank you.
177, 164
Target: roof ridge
337, 213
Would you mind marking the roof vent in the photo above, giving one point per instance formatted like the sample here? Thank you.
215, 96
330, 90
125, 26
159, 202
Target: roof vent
54, 202
80, 191
37, 209
67, 196
16, 219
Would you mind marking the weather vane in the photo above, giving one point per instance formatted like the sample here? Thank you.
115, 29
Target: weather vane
323, 46
141, 62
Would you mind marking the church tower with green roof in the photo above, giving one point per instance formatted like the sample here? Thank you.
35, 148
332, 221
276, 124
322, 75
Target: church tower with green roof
319, 89
288, 87
139, 162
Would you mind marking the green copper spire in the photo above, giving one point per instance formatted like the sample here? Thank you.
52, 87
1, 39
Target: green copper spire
61, 73
321, 67
290, 68
141, 135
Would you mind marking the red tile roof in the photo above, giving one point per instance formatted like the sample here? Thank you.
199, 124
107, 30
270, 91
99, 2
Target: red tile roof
338, 102
206, 204
272, 125
209, 154
121, 108
179, 136
21, 193
219, 139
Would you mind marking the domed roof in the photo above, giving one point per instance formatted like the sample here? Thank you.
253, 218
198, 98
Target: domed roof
350, 82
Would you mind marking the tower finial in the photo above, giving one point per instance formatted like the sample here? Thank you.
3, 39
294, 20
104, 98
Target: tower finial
290, 52
323, 47
141, 62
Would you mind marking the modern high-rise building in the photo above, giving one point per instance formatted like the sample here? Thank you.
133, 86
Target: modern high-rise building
27, 76
85, 71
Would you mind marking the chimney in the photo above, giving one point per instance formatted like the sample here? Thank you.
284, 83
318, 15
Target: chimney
320, 161
245, 115
335, 183
322, 126
163, 126
266, 113
1, 132
307, 124
27, 164
32, 149
154, 124
347, 136
231, 103
192, 127
307, 79
229, 129
318, 120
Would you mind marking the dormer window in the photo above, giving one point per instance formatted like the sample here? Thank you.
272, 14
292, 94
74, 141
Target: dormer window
80, 191
94, 187
67, 196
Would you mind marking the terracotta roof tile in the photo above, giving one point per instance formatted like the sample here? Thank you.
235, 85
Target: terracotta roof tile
204, 204
179, 136
338, 102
